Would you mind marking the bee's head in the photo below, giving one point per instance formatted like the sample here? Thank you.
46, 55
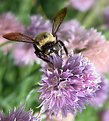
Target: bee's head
44, 38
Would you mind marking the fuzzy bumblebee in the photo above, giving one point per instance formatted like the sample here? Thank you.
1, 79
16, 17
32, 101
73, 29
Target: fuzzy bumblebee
45, 43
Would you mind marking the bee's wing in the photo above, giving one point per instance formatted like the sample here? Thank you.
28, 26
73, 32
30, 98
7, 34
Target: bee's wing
15, 36
99, 55
57, 20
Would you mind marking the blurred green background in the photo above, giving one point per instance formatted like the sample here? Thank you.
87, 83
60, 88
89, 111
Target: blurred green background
19, 84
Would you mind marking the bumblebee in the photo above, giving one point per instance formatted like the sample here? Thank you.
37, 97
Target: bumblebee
45, 43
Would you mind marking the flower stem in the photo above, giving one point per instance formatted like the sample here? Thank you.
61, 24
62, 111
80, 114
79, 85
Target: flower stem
25, 10
106, 35
5, 43
95, 11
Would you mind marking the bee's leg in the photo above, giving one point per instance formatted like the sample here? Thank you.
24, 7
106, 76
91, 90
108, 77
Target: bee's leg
40, 55
58, 50
63, 45
77, 50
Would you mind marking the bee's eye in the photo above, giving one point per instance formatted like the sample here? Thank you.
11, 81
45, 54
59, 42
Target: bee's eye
45, 36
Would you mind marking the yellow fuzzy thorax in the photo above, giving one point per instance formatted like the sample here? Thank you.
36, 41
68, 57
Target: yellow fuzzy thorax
45, 38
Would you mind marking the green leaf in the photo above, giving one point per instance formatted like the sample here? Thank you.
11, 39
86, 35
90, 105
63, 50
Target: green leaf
51, 7
16, 82
88, 114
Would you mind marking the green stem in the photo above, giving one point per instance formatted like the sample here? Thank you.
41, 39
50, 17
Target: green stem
93, 14
41, 10
5, 43
25, 10
79, 16
106, 34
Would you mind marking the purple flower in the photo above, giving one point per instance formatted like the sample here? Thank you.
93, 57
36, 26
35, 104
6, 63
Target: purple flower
106, 16
105, 115
19, 115
76, 36
82, 5
90, 43
71, 31
9, 23
101, 94
69, 85
23, 53
37, 25
2, 117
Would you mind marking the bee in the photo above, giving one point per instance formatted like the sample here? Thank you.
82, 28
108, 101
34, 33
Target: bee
45, 44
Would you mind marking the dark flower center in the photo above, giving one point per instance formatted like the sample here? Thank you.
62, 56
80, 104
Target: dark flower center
60, 80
